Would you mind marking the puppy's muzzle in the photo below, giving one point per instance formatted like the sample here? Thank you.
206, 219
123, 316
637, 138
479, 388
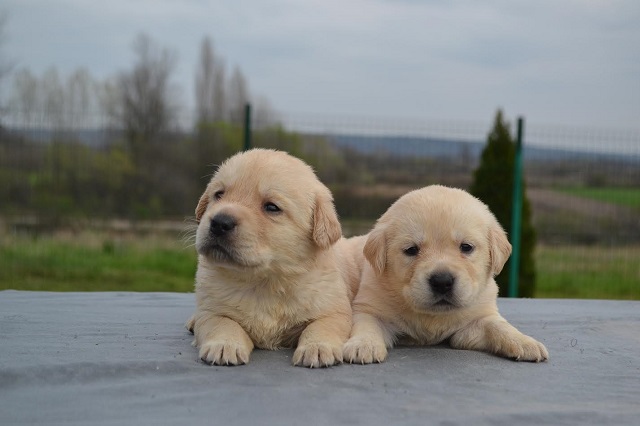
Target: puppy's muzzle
222, 225
442, 282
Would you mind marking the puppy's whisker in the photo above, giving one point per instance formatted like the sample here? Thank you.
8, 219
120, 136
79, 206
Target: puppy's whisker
188, 234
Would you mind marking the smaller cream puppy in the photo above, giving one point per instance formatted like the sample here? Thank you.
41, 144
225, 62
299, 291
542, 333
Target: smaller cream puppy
432, 260
273, 268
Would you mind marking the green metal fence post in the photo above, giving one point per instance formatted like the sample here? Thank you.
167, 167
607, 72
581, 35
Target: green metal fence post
247, 127
516, 214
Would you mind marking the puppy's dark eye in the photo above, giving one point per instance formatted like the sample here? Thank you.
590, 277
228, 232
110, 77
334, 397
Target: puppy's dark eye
466, 248
412, 251
271, 208
218, 195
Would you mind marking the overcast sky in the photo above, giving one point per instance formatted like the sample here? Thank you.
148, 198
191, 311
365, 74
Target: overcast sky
567, 62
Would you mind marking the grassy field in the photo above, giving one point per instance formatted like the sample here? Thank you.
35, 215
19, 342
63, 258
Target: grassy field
588, 272
95, 263
629, 197
90, 262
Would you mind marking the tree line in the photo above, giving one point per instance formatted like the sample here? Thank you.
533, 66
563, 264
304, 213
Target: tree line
151, 158
142, 100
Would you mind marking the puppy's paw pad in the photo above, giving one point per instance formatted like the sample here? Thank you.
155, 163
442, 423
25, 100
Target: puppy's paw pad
224, 353
364, 351
318, 354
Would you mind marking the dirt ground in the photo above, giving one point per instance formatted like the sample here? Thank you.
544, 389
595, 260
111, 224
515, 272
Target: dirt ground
560, 217
547, 200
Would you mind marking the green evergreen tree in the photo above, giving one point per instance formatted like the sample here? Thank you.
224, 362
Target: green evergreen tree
493, 184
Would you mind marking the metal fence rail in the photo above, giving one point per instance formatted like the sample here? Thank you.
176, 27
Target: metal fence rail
583, 184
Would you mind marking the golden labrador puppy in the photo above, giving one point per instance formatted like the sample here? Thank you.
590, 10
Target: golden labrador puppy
269, 270
432, 260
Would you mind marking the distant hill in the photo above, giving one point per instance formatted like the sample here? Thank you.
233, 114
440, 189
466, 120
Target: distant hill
90, 137
404, 146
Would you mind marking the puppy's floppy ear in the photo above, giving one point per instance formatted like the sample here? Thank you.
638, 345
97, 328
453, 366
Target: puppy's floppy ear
326, 226
499, 248
375, 249
202, 205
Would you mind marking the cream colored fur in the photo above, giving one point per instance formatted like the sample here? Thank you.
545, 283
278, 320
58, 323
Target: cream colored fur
282, 276
426, 233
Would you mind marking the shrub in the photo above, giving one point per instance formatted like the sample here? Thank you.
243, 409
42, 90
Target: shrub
493, 184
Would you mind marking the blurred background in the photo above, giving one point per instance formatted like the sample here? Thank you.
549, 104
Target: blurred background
112, 122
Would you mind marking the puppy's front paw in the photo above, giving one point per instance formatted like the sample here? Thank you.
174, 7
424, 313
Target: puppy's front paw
525, 348
364, 351
190, 325
317, 354
221, 352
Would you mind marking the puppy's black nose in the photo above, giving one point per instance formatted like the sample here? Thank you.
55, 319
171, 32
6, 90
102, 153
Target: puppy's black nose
441, 282
222, 224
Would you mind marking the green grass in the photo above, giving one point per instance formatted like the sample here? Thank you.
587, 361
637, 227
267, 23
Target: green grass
54, 265
629, 197
584, 272
100, 263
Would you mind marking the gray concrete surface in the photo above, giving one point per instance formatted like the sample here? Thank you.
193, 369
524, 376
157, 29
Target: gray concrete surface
125, 358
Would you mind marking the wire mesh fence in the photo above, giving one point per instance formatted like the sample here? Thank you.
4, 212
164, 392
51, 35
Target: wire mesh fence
583, 184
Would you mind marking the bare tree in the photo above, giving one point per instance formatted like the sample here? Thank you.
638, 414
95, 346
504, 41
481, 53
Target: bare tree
5, 65
218, 99
80, 96
219, 91
109, 101
24, 103
238, 95
205, 80
53, 100
57, 103
210, 84
145, 108
264, 115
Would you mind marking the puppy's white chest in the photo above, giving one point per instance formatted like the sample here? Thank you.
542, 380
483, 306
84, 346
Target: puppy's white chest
272, 320
425, 332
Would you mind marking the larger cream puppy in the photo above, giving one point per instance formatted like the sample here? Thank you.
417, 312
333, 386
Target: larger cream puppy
432, 260
268, 272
